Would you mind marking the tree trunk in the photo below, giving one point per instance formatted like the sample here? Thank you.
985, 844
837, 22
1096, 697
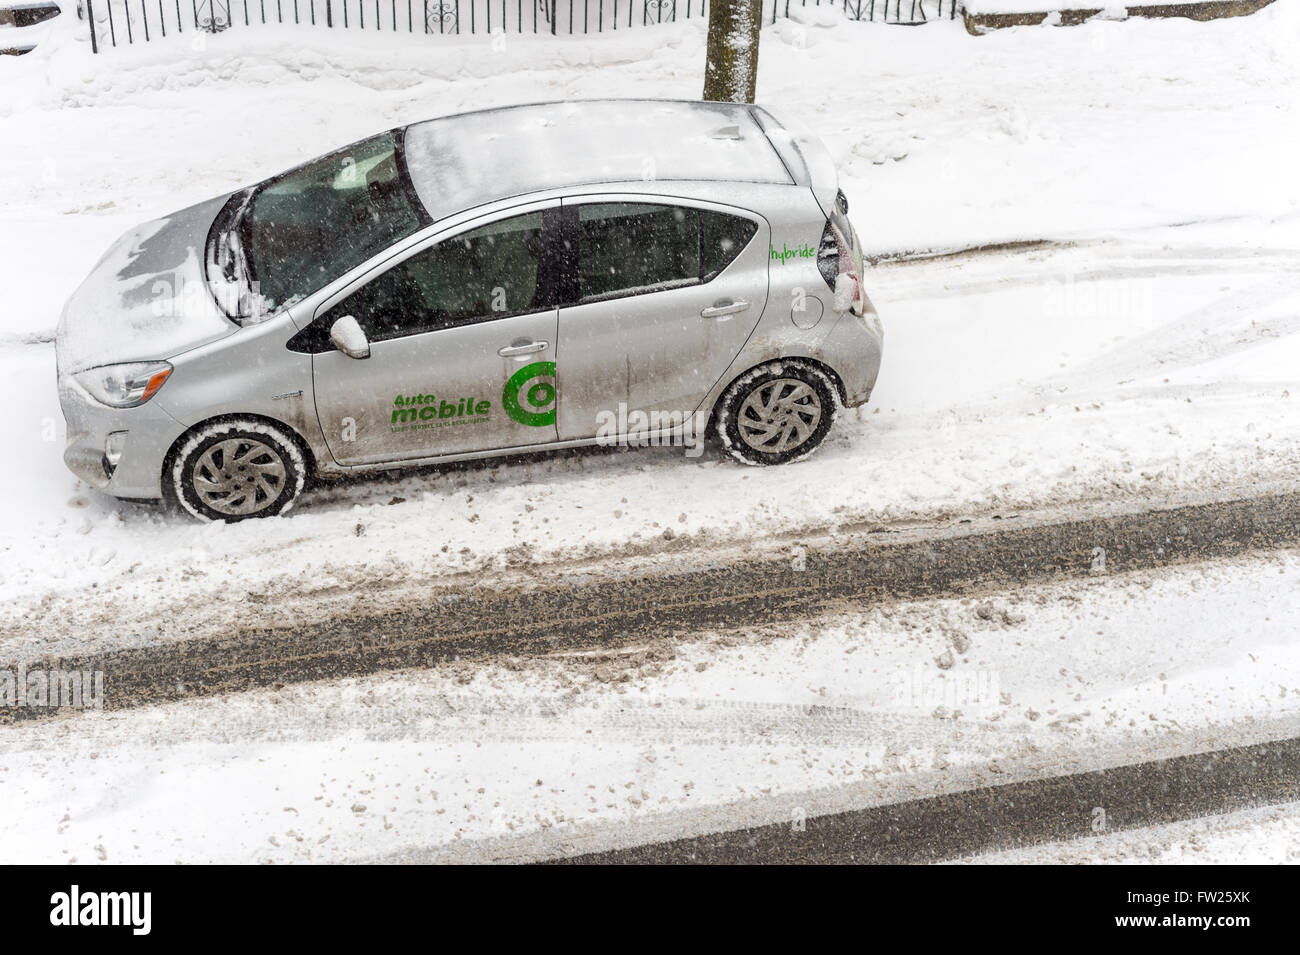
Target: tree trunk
731, 57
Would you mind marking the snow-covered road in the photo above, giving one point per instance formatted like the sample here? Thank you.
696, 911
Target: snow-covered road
1152, 350
590, 750
1268, 835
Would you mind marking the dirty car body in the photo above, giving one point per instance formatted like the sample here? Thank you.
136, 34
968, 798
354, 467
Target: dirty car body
527, 278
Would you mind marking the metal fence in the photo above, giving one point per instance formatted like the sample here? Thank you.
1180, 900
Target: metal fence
116, 23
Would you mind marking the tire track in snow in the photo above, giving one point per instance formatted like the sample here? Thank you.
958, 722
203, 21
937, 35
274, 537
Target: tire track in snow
702, 721
698, 592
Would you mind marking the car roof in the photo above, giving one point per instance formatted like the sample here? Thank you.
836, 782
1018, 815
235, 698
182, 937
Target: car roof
462, 161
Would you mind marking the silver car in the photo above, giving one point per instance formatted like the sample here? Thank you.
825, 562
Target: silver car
528, 278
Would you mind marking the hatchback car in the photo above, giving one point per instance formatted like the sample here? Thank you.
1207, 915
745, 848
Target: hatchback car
483, 284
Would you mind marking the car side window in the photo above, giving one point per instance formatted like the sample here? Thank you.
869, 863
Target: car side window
489, 272
629, 248
722, 237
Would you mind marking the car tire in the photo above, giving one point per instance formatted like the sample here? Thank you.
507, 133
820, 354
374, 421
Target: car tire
236, 469
777, 413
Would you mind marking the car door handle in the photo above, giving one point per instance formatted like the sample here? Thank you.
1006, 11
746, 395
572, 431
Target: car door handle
723, 308
522, 348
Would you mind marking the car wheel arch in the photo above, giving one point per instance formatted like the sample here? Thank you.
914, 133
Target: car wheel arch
169, 459
820, 365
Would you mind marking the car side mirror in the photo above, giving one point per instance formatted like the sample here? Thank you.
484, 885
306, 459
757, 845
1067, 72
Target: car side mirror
347, 336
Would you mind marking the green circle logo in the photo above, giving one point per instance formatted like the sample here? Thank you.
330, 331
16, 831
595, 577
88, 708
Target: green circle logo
537, 409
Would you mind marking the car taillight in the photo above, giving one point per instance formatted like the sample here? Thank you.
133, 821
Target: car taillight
839, 265
830, 254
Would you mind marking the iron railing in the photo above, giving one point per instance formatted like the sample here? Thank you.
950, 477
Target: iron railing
116, 23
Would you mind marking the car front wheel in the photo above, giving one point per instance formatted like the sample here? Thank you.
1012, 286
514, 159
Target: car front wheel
237, 469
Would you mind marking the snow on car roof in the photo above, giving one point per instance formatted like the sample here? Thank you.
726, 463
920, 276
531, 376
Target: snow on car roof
463, 161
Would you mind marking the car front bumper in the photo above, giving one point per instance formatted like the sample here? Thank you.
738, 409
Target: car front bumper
142, 437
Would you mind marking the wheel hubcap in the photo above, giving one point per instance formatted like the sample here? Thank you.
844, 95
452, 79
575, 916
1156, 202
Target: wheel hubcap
239, 476
779, 415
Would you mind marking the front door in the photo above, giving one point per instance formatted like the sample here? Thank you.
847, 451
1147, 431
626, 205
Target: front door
462, 341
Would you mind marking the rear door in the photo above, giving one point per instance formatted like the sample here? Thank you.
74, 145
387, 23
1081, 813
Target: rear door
667, 292
462, 337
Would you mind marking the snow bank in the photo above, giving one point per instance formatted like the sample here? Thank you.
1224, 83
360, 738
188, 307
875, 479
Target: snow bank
1109, 10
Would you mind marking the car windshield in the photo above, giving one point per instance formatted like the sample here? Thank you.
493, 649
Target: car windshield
299, 231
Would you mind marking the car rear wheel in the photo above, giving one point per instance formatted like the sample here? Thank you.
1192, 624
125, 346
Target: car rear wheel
777, 412
233, 470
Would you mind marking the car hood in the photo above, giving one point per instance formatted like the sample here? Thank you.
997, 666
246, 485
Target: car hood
147, 298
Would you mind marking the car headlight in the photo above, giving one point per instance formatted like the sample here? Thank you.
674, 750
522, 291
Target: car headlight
127, 385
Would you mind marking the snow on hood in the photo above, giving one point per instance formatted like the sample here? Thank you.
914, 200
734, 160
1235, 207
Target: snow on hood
147, 298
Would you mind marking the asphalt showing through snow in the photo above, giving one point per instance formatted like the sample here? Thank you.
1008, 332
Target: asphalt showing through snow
999, 817
695, 593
